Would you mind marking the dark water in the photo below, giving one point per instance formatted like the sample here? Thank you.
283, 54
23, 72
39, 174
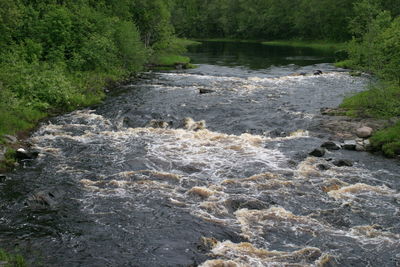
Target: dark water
255, 55
112, 188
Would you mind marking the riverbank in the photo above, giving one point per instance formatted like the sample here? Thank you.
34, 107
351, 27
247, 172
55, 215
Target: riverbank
48, 91
318, 45
314, 44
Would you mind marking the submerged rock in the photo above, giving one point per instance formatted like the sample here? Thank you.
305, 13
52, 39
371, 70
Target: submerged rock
191, 125
343, 163
364, 132
323, 167
277, 133
318, 152
331, 145
158, 124
41, 200
206, 91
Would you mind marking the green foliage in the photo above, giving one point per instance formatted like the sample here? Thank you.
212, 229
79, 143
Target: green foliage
263, 19
387, 140
12, 260
382, 101
58, 55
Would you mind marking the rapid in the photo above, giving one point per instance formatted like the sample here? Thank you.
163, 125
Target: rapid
161, 175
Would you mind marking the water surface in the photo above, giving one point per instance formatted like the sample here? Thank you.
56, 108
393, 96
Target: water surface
160, 174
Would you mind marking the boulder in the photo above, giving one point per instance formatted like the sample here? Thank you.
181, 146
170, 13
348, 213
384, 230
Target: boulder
318, 152
331, 145
364, 132
205, 91
350, 144
317, 72
22, 154
343, 163
323, 167
360, 148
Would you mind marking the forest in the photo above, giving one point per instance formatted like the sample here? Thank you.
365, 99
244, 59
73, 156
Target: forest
58, 55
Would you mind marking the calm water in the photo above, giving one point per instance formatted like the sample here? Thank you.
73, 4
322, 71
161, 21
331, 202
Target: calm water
160, 175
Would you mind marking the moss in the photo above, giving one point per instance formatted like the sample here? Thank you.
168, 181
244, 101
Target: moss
11, 260
387, 140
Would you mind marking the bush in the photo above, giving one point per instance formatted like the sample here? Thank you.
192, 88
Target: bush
381, 101
387, 140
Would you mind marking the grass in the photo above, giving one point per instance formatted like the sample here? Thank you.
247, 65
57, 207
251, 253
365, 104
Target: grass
345, 64
380, 101
171, 59
318, 45
11, 260
387, 140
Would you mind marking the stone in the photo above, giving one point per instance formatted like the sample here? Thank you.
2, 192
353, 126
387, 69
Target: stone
331, 145
360, 148
22, 154
158, 124
317, 72
10, 139
318, 152
277, 133
350, 144
343, 163
323, 167
364, 132
205, 91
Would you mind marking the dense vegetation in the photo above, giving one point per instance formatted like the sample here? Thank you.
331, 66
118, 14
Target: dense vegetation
57, 55
375, 48
269, 19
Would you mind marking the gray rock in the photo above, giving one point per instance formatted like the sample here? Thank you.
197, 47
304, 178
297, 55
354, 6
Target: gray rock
360, 148
10, 139
318, 152
22, 154
317, 72
343, 163
364, 132
331, 145
323, 167
350, 144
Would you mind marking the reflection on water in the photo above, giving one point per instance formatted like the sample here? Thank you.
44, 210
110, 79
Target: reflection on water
256, 55
161, 175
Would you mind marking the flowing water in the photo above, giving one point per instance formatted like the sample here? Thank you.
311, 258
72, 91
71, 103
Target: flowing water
160, 175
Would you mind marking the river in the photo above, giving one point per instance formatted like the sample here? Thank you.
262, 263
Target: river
161, 175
